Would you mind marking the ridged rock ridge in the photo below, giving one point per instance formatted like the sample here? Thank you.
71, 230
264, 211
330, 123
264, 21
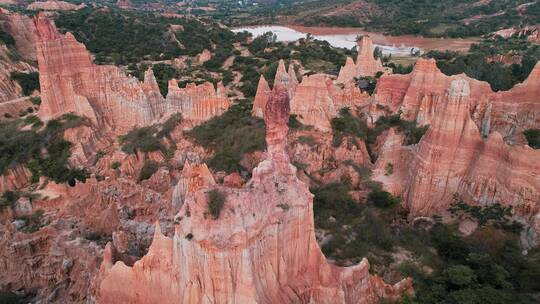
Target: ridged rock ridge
70, 82
261, 249
453, 157
198, 103
420, 93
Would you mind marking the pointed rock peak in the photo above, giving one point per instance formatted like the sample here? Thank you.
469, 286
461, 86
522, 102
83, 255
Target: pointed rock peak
221, 91
45, 27
459, 88
281, 74
157, 230
365, 46
277, 108
426, 65
292, 74
349, 61
108, 255
263, 84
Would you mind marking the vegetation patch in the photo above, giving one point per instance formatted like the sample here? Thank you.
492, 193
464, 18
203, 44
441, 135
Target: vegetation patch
533, 137
148, 139
44, 152
216, 201
29, 82
148, 169
230, 136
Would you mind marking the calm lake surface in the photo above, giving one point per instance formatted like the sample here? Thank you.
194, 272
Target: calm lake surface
346, 38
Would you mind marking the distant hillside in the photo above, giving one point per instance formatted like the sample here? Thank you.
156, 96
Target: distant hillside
436, 18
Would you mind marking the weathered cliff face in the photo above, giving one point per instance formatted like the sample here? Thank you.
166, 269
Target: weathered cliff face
453, 157
366, 64
419, 94
54, 5
271, 258
70, 82
10, 89
317, 100
263, 92
197, 103
23, 30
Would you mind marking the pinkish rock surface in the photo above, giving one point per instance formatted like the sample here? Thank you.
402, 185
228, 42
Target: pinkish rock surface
272, 257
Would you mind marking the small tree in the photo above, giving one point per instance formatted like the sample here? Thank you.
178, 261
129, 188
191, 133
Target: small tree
216, 201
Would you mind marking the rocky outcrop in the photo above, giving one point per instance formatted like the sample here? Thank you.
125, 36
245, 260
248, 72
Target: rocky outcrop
204, 56
70, 82
23, 30
366, 64
259, 250
317, 100
124, 4
263, 92
419, 94
54, 5
453, 157
197, 103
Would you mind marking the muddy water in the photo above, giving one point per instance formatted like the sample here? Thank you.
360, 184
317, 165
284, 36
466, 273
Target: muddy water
346, 37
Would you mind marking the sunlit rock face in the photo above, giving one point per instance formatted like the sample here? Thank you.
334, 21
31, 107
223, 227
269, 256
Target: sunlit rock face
70, 82
315, 100
261, 249
366, 64
454, 157
419, 94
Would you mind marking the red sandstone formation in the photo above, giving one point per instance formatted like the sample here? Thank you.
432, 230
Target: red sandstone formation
453, 157
70, 82
366, 64
204, 56
419, 94
22, 29
263, 92
259, 250
124, 4
317, 100
54, 5
198, 103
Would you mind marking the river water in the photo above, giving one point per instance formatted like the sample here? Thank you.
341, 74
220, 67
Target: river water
346, 38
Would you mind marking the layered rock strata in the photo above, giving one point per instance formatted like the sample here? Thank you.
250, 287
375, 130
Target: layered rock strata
366, 64
261, 249
454, 157
419, 94
70, 82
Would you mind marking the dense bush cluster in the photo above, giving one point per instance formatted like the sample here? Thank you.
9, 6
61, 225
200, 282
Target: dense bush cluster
216, 201
122, 37
149, 139
485, 267
148, 169
6, 38
533, 137
230, 136
29, 82
43, 151
476, 63
355, 128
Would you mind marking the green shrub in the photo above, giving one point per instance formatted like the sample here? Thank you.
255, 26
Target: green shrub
383, 199
36, 100
7, 199
348, 125
115, 165
216, 201
168, 126
533, 137
6, 38
230, 136
143, 139
43, 152
29, 82
148, 169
